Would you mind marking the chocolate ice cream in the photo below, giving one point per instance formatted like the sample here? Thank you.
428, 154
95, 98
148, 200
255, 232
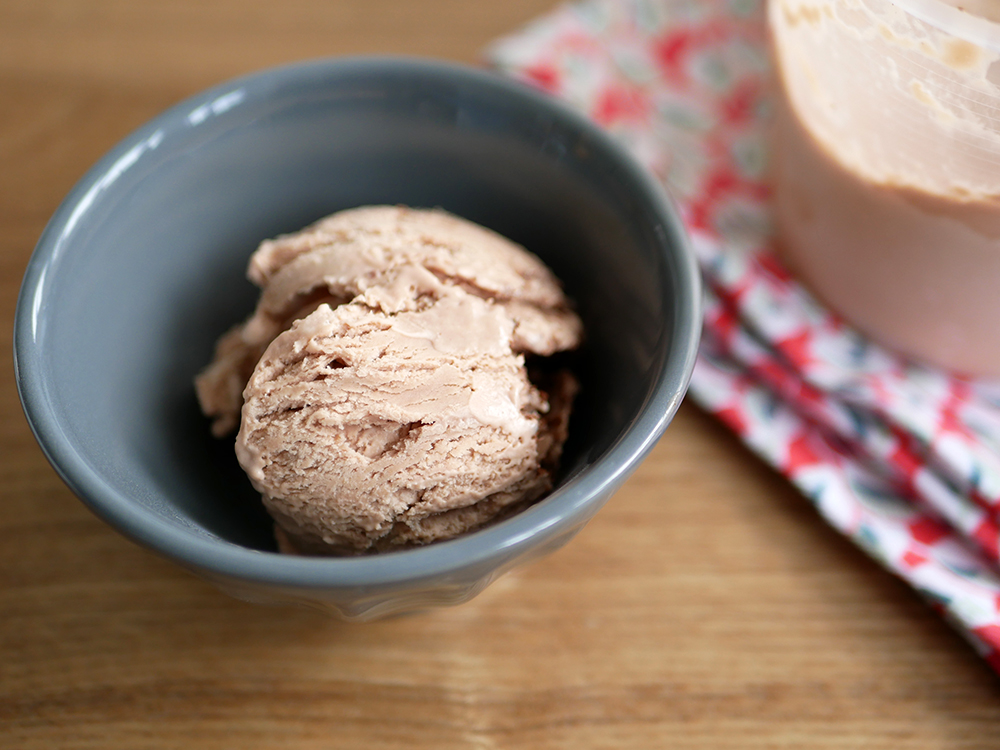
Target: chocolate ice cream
381, 387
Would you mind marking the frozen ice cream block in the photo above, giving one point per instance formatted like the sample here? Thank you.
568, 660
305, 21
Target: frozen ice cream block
886, 148
381, 387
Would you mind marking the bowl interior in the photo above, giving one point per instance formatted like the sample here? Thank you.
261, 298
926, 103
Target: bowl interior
143, 267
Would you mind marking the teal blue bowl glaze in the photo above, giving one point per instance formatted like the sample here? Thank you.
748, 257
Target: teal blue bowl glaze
142, 268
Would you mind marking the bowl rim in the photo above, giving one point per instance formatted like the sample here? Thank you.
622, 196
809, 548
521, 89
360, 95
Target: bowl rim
486, 547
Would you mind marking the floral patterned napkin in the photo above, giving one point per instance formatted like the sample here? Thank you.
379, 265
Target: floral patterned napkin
902, 458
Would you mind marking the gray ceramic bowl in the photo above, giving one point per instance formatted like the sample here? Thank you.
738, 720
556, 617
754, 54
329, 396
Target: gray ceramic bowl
142, 267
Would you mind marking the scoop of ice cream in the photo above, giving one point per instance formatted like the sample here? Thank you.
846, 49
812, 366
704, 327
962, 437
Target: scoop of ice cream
392, 257
386, 398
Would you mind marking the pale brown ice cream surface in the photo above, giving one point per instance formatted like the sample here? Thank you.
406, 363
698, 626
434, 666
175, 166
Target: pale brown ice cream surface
380, 386
885, 155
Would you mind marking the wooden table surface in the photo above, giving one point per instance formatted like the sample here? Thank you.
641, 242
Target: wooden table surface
706, 607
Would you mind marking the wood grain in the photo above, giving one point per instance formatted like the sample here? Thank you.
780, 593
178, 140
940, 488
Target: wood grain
706, 607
